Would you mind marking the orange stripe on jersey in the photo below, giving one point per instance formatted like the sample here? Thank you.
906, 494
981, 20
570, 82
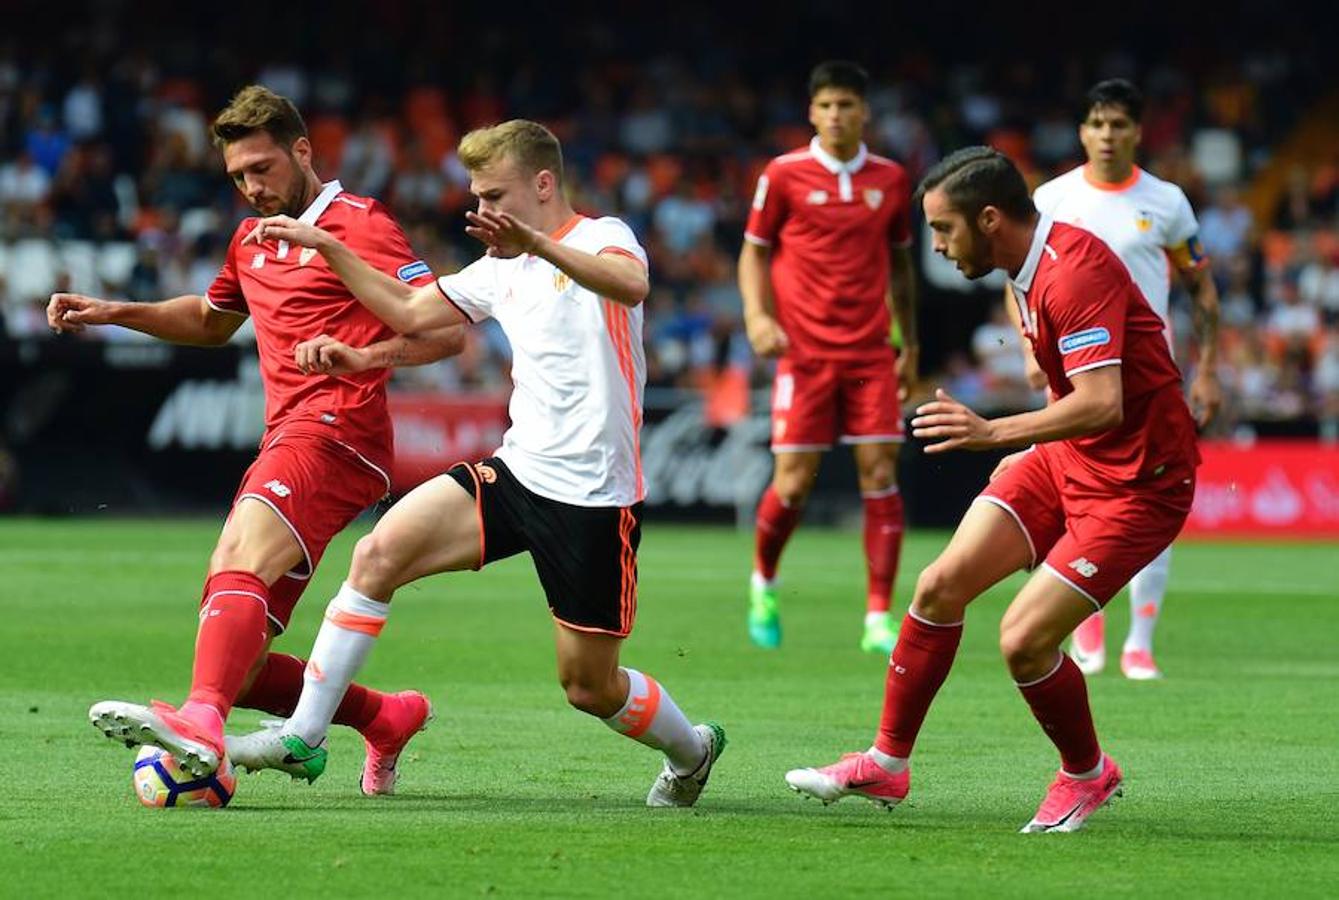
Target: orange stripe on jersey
616, 320
619, 251
354, 622
566, 228
642, 710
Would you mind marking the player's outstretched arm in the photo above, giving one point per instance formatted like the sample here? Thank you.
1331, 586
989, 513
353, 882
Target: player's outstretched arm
611, 275
324, 355
187, 319
408, 310
755, 286
1096, 404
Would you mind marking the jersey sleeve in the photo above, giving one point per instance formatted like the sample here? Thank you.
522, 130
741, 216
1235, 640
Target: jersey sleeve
473, 290
768, 211
1087, 311
1182, 241
1046, 197
614, 236
383, 244
225, 291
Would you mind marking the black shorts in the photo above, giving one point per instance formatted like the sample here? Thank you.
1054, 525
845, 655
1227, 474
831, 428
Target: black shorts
585, 556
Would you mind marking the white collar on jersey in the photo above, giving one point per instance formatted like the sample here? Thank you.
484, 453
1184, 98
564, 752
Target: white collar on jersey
329, 191
843, 170
1022, 283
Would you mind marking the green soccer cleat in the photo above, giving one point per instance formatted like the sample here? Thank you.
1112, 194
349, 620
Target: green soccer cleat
880, 635
764, 620
270, 748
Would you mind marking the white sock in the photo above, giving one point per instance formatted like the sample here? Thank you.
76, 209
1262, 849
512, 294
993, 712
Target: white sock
1090, 774
876, 618
1147, 589
758, 580
650, 716
890, 764
352, 623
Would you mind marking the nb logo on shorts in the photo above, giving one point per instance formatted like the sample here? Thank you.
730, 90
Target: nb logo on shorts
487, 474
278, 488
1083, 567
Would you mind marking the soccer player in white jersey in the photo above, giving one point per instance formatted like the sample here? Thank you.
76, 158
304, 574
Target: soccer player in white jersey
566, 485
1149, 224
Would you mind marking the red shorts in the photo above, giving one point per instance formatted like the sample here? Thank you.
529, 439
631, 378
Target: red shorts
1094, 541
317, 485
817, 402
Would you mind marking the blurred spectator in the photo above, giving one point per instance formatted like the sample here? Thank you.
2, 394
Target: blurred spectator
1226, 226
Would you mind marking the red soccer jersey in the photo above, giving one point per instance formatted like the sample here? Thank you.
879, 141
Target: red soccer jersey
830, 225
292, 295
1081, 311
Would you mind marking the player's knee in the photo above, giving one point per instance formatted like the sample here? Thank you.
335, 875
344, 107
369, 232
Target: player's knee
878, 476
374, 566
792, 488
941, 593
590, 698
1027, 651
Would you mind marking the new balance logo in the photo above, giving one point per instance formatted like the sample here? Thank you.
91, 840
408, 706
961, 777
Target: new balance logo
278, 488
1083, 567
258, 261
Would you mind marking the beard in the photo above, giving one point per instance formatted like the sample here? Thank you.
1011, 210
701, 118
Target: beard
976, 262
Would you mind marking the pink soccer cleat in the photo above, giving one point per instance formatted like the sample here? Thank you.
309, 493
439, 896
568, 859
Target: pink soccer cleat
402, 716
1069, 802
1088, 646
1138, 665
854, 775
197, 746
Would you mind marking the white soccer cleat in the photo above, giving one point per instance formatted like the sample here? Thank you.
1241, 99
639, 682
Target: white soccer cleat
270, 748
1088, 645
671, 789
162, 726
854, 775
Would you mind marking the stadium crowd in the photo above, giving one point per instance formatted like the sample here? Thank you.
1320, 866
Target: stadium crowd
108, 185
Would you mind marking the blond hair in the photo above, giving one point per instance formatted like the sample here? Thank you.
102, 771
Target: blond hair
528, 144
257, 108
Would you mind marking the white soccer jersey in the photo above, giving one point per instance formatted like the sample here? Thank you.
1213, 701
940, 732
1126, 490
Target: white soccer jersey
1143, 219
577, 370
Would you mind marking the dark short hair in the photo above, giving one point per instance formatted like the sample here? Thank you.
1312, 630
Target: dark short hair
977, 177
838, 73
257, 108
1115, 92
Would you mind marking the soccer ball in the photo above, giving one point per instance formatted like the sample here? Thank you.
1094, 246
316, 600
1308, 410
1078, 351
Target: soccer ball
160, 781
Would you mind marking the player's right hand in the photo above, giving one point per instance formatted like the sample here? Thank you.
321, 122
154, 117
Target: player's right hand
766, 336
323, 355
1005, 463
69, 313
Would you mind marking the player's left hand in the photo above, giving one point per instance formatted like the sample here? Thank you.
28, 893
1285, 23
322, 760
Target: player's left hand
1206, 397
908, 372
946, 418
323, 355
285, 228
504, 235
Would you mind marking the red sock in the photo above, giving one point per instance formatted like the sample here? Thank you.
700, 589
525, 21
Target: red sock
883, 547
921, 660
1060, 703
279, 684
775, 523
233, 630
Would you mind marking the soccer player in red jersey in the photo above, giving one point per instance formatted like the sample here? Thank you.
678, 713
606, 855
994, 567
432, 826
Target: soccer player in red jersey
325, 453
1105, 485
826, 256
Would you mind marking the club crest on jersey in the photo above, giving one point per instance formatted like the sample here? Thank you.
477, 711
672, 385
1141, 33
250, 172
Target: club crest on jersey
873, 197
817, 198
409, 271
258, 261
306, 255
1089, 337
561, 280
1143, 220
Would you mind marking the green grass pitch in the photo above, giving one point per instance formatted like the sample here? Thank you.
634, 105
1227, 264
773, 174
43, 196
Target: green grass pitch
1232, 762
